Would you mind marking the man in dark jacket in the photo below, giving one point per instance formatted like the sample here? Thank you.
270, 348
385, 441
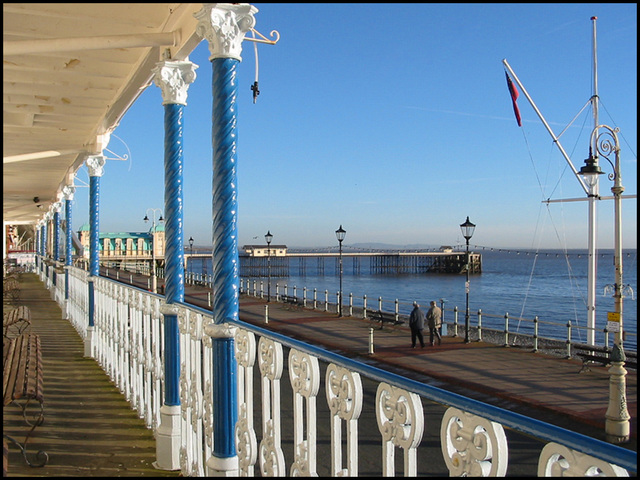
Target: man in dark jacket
416, 324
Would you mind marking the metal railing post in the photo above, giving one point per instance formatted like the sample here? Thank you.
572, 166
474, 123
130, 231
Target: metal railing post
364, 306
506, 329
455, 321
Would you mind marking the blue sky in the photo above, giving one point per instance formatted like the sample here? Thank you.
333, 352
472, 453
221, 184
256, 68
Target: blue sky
394, 121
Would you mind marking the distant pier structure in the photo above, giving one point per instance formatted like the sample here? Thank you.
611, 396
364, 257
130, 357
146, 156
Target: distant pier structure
257, 261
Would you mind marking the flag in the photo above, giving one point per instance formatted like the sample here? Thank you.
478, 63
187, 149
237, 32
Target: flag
514, 97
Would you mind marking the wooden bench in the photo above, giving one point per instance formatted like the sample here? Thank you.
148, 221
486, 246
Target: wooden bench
5, 457
382, 317
11, 289
290, 300
16, 321
22, 385
602, 355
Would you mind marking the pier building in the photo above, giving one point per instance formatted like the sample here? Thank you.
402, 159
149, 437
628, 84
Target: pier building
367, 263
131, 251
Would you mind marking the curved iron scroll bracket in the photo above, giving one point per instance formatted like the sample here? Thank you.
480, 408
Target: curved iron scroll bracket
264, 39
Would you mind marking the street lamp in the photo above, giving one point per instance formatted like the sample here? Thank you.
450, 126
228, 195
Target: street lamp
154, 280
467, 232
191, 259
268, 237
617, 415
340, 233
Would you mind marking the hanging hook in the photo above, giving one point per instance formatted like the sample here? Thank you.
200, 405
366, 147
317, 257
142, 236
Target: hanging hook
254, 87
263, 39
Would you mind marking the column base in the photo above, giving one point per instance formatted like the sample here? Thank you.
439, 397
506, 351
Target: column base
617, 434
168, 439
223, 467
88, 343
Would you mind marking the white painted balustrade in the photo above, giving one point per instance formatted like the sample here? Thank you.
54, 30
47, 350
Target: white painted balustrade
128, 342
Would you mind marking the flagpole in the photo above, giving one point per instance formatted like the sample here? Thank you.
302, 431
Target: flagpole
594, 98
544, 122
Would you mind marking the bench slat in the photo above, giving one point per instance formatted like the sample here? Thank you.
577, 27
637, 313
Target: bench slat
8, 374
22, 375
22, 352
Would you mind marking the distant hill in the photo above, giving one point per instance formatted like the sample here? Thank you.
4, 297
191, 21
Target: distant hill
388, 246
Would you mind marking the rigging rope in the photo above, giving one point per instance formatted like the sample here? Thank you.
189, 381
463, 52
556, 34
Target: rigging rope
572, 278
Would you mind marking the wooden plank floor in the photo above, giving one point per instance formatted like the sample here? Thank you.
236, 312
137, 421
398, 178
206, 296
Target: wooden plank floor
89, 429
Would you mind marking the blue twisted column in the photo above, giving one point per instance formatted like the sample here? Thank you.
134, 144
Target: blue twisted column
45, 240
68, 242
94, 244
38, 246
94, 228
224, 26
68, 192
225, 252
56, 235
174, 252
95, 165
56, 242
45, 236
43, 244
173, 198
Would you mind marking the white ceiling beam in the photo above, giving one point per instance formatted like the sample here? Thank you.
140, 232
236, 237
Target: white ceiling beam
74, 44
37, 155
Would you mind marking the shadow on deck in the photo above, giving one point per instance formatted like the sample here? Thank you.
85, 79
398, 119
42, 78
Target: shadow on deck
89, 429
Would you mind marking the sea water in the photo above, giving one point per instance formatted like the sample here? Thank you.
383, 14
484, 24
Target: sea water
549, 284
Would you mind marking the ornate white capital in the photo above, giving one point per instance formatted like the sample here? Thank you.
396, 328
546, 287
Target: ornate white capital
173, 77
169, 309
95, 164
68, 191
224, 26
223, 330
56, 208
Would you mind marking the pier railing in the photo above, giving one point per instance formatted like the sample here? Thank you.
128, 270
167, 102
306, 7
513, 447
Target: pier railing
495, 328
472, 436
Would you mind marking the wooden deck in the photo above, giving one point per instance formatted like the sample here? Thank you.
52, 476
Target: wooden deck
89, 429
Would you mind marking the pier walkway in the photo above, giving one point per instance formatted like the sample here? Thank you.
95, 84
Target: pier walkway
90, 430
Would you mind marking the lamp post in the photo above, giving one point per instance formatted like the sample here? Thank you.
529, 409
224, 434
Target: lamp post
467, 232
340, 233
268, 237
154, 280
190, 259
617, 415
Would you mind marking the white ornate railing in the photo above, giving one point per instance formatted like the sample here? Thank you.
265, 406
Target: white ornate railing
78, 304
128, 341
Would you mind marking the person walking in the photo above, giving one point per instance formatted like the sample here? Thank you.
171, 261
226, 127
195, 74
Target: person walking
416, 324
434, 321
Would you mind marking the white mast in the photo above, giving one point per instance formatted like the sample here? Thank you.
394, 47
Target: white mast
593, 197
